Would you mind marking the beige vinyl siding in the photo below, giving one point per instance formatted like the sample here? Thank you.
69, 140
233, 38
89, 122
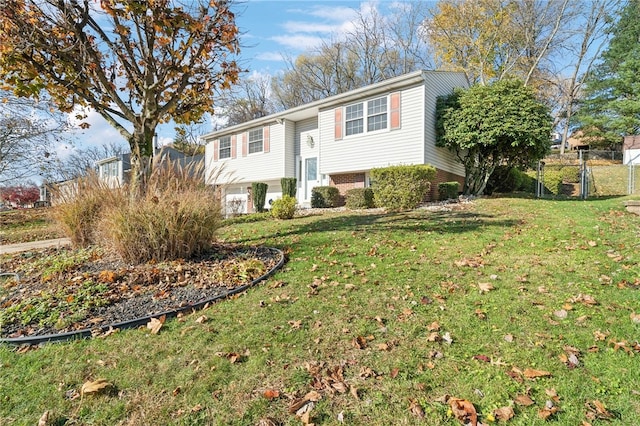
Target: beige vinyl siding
376, 149
439, 84
259, 166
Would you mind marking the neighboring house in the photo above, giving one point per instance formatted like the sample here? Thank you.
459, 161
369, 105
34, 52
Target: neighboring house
116, 170
631, 149
336, 141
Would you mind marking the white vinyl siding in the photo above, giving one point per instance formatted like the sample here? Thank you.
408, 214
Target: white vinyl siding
224, 150
362, 152
439, 84
257, 167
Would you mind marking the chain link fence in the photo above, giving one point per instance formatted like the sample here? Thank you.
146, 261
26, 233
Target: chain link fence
586, 174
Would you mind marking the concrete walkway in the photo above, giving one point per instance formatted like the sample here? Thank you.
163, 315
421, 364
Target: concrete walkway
33, 245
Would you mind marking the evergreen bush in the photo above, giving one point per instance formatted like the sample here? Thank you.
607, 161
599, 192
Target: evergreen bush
359, 198
448, 190
259, 195
289, 186
323, 197
402, 187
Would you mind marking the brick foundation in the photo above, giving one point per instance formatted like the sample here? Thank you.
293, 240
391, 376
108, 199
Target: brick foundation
441, 177
346, 182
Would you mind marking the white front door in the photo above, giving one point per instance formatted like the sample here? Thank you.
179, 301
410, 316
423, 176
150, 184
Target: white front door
311, 176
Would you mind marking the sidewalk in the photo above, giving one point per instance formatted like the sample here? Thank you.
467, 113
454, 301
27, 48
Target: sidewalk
33, 245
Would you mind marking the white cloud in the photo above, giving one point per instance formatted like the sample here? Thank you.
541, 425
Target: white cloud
299, 41
270, 56
307, 27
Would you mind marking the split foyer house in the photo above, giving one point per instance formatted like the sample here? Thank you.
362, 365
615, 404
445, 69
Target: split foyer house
336, 141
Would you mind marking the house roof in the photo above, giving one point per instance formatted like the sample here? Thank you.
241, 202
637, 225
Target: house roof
313, 108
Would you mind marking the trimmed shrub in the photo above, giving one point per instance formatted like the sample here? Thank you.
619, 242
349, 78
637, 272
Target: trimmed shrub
80, 205
359, 198
289, 186
448, 190
177, 217
259, 195
323, 197
505, 179
402, 187
284, 208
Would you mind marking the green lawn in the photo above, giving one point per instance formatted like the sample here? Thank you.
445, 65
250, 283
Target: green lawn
22, 225
383, 316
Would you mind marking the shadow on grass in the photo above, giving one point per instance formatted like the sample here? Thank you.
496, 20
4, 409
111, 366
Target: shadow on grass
418, 221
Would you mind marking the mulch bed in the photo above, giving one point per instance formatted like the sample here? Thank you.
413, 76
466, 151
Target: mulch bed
103, 290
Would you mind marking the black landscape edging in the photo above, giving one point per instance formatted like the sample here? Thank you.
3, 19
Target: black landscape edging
88, 332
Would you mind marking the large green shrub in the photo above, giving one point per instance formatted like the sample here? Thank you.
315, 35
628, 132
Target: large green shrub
324, 197
359, 198
554, 176
259, 195
402, 187
448, 190
284, 208
289, 186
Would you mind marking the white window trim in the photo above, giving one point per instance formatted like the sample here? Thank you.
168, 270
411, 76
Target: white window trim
365, 118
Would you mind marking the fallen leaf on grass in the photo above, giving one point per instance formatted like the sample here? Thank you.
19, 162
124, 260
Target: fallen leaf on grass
531, 373
233, 357
94, 387
300, 403
485, 287
464, 411
416, 409
596, 410
524, 400
155, 324
271, 394
359, 342
547, 412
44, 419
635, 317
504, 413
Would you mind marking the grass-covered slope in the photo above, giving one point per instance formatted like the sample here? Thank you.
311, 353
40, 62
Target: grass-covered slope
527, 307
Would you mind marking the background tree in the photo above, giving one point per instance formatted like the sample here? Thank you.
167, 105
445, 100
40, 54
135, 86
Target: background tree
133, 62
28, 132
584, 47
249, 99
495, 39
24, 194
611, 106
377, 48
187, 139
486, 126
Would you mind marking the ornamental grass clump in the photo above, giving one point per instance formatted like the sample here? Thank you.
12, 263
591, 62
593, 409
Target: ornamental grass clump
176, 218
79, 204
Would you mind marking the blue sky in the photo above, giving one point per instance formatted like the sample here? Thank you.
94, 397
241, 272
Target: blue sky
271, 30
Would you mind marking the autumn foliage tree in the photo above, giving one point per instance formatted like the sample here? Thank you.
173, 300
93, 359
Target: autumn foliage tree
137, 63
20, 195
